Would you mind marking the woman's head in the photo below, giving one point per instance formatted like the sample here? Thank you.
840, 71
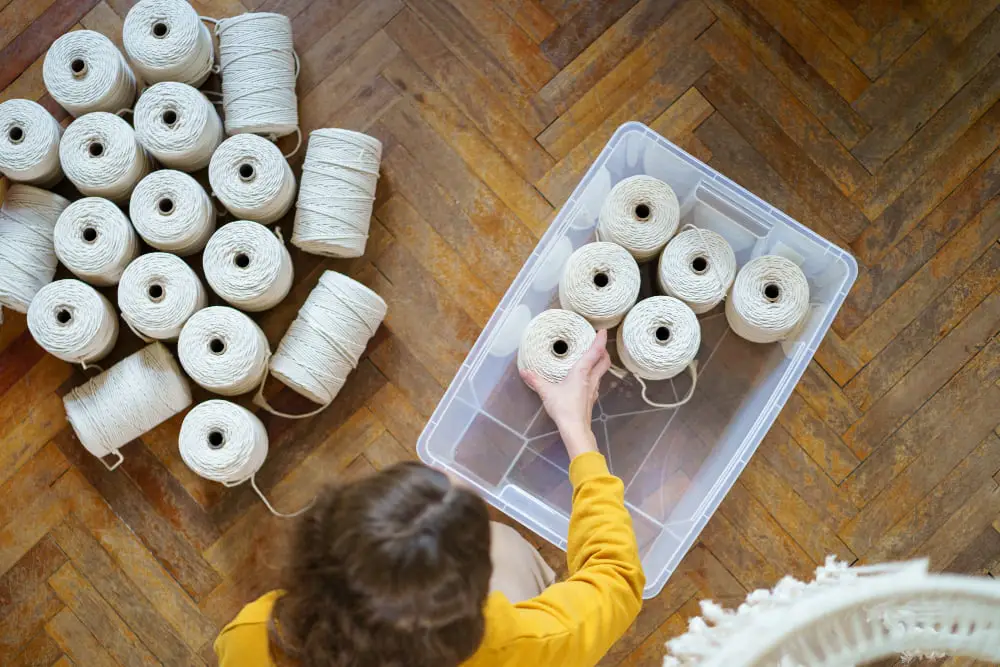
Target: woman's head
389, 570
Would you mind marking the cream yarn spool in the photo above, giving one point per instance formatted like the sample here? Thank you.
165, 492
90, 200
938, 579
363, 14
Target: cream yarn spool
640, 214
223, 351
658, 340
132, 397
29, 143
334, 207
72, 321
769, 299
252, 179
248, 266
172, 212
95, 241
85, 72
166, 41
552, 342
101, 156
157, 294
698, 267
601, 282
27, 257
178, 125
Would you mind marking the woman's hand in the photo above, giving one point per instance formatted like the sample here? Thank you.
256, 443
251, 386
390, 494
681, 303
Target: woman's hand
571, 402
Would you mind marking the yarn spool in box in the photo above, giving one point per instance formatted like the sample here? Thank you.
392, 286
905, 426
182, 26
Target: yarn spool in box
552, 342
132, 397
101, 156
334, 206
95, 241
698, 267
640, 214
85, 72
601, 282
252, 179
29, 143
166, 41
72, 321
172, 212
248, 266
157, 294
178, 125
27, 255
769, 300
223, 351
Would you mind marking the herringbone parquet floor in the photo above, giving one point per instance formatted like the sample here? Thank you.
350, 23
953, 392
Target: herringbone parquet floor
875, 122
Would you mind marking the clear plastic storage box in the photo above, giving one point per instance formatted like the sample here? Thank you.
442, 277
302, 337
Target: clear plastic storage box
677, 464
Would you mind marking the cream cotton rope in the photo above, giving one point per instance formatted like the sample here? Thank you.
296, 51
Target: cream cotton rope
698, 267
640, 214
72, 321
157, 294
601, 282
172, 212
166, 41
27, 257
334, 206
769, 299
552, 342
248, 266
85, 72
178, 125
132, 397
95, 241
101, 156
252, 179
29, 143
223, 351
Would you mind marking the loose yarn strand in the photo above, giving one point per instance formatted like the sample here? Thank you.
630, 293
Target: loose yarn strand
29, 143
166, 41
692, 369
178, 125
101, 156
28, 260
267, 503
85, 72
252, 179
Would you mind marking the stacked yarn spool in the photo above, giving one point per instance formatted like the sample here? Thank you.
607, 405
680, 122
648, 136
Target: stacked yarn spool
85, 72
224, 351
172, 212
157, 294
248, 266
28, 217
553, 341
640, 214
601, 282
166, 41
101, 156
29, 143
95, 241
698, 267
72, 321
252, 179
769, 300
658, 340
178, 125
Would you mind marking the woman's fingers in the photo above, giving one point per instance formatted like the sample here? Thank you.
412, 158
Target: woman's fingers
593, 355
602, 366
530, 379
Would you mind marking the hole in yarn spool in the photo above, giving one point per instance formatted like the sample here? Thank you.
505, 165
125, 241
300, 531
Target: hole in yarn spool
155, 291
89, 234
169, 117
216, 439
246, 172
560, 348
160, 29
601, 279
772, 292
217, 346
166, 205
241, 260
662, 334
699, 265
63, 316
16, 135
96, 149
78, 66
642, 212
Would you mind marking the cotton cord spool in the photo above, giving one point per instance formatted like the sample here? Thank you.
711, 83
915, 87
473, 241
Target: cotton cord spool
640, 214
157, 294
95, 241
248, 266
252, 179
166, 41
224, 351
698, 267
552, 342
334, 207
101, 156
85, 72
658, 340
172, 212
29, 143
601, 282
769, 299
178, 125
132, 397
27, 256
72, 321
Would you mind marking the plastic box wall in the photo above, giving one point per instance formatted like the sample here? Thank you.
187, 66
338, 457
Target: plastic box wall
677, 464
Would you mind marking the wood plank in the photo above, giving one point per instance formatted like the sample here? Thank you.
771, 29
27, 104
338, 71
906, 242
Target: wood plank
76, 641
589, 22
533, 18
975, 516
829, 401
980, 556
30, 482
20, 355
838, 24
385, 452
19, 15
41, 651
26, 619
318, 19
39, 516
399, 416
817, 439
737, 554
405, 371
28, 574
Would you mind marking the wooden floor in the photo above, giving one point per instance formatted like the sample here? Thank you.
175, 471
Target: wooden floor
872, 121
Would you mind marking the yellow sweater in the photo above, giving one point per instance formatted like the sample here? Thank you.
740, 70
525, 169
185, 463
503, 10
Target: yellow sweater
572, 623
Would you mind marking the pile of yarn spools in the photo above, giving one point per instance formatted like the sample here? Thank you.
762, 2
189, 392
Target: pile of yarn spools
767, 299
145, 206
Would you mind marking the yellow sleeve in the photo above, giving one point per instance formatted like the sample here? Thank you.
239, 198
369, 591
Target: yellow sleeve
244, 642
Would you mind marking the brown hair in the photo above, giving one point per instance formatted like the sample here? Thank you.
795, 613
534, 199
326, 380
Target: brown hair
390, 570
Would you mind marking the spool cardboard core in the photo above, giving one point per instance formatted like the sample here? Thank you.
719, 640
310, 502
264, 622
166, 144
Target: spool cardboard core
216, 439
662, 334
96, 149
15, 134
241, 260
772, 292
169, 117
642, 212
560, 348
601, 279
699, 265
155, 292
217, 346
63, 316
246, 172
160, 29
89, 234
166, 205
79, 67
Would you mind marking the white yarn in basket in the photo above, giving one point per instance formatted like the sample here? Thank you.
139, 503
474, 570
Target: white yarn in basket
552, 342
769, 299
95, 241
101, 156
223, 350
72, 321
172, 212
252, 179
157, 294
698, 267
85, 72
166, 41
248, 266
27, 257
132, 397
334, 207
601, 282
178, 125
640, 214
29, 143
